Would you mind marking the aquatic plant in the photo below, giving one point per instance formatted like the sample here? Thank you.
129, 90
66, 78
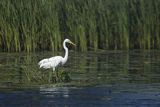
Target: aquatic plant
27, 25
47, 76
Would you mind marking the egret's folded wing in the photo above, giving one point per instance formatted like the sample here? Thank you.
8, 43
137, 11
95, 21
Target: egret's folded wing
51, 62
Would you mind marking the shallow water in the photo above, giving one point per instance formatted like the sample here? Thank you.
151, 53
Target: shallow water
107, 78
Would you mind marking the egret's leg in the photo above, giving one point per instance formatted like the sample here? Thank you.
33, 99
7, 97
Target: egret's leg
56, 74
50, 76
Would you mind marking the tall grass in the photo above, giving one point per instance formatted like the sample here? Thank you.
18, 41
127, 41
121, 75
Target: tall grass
36, 25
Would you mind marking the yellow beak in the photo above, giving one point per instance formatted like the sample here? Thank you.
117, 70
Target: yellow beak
72, 43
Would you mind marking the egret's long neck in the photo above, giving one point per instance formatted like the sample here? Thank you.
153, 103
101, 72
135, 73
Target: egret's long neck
66, 52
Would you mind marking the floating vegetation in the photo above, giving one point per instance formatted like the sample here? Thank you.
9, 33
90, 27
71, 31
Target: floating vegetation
27, 25
47, 76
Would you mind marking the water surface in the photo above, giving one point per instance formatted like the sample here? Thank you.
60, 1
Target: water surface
106, 78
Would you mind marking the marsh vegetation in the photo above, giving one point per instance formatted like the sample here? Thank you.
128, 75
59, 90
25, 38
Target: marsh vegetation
27, 25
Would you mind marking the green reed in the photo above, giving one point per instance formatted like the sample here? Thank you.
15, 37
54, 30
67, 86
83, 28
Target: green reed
27, 25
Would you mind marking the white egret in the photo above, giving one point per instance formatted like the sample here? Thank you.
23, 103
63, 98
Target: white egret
56, 61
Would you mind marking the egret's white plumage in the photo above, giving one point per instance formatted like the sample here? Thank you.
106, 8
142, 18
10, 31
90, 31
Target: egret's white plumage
56, 61
51, 62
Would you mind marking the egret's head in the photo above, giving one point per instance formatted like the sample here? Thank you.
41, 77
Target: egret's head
68, 41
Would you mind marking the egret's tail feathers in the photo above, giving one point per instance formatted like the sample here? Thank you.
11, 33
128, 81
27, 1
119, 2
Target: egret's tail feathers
43, 61
46, 65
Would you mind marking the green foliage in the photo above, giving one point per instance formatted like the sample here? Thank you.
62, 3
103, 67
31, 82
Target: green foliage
35, 25
33, 75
